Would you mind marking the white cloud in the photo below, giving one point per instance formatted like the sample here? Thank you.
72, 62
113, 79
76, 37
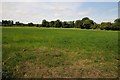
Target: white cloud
36, 12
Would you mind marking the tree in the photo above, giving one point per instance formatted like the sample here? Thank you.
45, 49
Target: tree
19, 24
78, 24
58, 23
85, 18
106, 26
65, 24
95, 26
30, 24
45, 23
117, 20
116, 24
37, 25
7, 23
71, 24
52, 24
87, 24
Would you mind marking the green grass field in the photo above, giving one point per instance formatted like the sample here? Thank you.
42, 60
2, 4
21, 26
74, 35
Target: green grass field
56, 53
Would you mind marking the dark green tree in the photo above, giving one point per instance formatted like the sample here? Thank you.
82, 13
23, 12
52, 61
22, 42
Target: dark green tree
116, 24
30, 24
65, 24
7, 23
87, 24
95, 26
37, 25
20, 24
45, 23
117, 20
71, 24
58, 23
106, 26
78, 24
85, 18
52, 24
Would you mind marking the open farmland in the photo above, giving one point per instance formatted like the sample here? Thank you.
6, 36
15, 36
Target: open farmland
55, 53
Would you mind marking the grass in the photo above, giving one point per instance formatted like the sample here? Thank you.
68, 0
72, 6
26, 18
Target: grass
52, 52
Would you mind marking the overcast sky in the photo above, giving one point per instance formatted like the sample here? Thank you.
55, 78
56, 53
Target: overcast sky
37, 11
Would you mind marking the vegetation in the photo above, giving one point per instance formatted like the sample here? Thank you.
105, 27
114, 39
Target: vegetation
52, 52
85, 23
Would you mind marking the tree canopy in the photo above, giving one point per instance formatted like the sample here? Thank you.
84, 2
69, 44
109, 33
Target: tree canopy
84, 23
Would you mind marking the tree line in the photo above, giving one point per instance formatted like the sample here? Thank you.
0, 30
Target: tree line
85, 23
11, 23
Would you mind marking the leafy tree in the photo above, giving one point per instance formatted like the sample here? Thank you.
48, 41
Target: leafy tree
65, 24
37, 25
52, 24
115, 26
85, 18
87, 24
19, 24
7, 23
45, 23
117, 20
106, 25
71, 24
96, 26
78, 24
58, 23
30, 24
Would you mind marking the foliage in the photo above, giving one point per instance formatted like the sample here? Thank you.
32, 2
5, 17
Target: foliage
78, 24
85, 23
7, 23
30, 24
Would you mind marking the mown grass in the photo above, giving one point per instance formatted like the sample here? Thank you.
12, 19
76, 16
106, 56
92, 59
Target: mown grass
51, 52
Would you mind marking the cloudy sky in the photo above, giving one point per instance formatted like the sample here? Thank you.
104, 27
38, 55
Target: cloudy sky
37, 11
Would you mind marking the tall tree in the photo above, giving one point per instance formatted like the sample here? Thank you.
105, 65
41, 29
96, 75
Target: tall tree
85, 18
45, 23
65, 24
117, 20
78, 24
52, 24
87, 24
71, 24
30, 24
116, 24
58, 23
106, 25
7, 23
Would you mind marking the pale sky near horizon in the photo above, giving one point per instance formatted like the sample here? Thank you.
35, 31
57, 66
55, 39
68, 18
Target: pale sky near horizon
59, 0
66, 11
